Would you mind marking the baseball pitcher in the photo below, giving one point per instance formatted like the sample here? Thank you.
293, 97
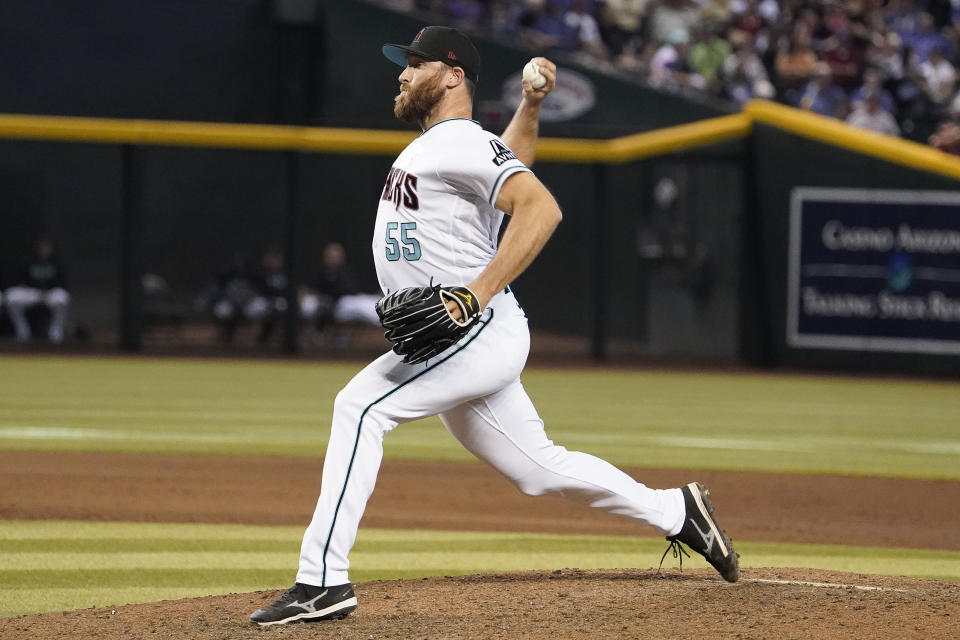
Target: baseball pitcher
460, 337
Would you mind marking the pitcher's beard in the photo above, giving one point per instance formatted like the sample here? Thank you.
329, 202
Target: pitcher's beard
414, 105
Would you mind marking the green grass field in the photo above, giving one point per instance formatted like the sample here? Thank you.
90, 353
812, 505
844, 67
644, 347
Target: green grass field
633, 418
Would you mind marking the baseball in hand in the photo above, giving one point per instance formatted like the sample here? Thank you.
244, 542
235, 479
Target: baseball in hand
532, 73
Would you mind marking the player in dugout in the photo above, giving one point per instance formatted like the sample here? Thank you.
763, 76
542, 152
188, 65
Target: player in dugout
460, 335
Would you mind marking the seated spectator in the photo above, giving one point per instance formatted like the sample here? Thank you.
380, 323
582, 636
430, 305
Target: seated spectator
613, 35
543, 27
822, 96
873, 83
835, 17
863, 20
885, 53
670, 66
794, 62
715, 12
926, 38
232, 296
939, 79
627, 14
707, 55
271, 303
745, 77
669, 17
819, 32
466, 12
749, 24
868, 114
586, 32
43, 282
903, 16
335, 296
844, 58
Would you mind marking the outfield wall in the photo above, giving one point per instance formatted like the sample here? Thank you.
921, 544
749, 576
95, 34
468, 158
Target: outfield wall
683, 250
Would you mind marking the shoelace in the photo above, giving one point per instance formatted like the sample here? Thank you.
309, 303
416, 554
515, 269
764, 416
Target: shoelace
678, 552
287, 595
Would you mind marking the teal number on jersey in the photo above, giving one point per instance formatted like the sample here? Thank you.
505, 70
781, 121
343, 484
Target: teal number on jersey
406, 245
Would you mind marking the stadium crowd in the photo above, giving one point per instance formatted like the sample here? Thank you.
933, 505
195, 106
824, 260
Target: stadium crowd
885, 65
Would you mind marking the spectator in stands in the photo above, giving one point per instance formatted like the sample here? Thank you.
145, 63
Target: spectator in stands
336, 296
794, 63
819, 32
614, 36
42, 283
844, 58
939, 79
271, 302
670, 66
232, 296
716, 13
873, 83
749, 24
586, 32
863, 20
868, 114
707, 55
504, 17
745, 77
896, 37
668, 17
903, 16
822, 96
627, 14
470, 12
543, 27
885, 53
925, 38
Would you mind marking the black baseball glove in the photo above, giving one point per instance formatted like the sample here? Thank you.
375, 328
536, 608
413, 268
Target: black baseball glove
418, 323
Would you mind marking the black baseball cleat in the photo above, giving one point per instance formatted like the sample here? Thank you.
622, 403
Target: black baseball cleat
308, 603
701, 533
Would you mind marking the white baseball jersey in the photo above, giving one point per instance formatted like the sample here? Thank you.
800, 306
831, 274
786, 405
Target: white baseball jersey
436, 217
436, 220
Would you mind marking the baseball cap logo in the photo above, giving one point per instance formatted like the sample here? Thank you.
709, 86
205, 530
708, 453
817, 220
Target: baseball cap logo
420, 33
451, 55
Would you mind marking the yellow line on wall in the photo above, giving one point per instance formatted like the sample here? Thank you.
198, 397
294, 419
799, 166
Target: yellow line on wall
678, 138
203, 134
839, 134
388, 142
350, 141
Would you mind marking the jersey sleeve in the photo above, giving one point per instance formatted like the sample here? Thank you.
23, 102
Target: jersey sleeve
480, 166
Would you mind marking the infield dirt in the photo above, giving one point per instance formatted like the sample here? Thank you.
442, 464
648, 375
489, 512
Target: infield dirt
767, 603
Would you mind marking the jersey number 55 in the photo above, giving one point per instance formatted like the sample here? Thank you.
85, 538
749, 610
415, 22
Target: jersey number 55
402, 243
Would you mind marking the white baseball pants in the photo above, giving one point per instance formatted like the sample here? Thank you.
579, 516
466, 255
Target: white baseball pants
475, 388
19, 299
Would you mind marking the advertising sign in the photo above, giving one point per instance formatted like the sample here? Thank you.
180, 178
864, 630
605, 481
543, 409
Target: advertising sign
874, 270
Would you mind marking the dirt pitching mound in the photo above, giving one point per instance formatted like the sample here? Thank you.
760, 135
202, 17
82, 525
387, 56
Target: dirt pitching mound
553, 605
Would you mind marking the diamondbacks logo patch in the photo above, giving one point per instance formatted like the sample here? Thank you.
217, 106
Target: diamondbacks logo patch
501, 152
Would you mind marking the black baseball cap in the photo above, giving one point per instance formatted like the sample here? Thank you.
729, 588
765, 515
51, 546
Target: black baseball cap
444, 44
